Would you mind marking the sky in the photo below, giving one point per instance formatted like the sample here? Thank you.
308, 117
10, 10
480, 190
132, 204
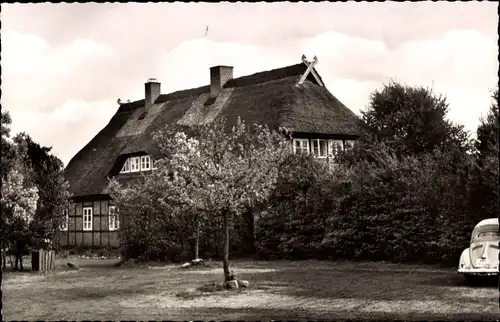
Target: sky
65, 65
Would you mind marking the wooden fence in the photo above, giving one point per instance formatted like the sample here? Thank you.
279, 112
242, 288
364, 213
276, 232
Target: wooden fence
42, 260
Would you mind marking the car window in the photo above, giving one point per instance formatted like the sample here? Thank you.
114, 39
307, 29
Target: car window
486, 235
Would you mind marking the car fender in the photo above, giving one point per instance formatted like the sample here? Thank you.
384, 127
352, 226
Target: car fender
465, 259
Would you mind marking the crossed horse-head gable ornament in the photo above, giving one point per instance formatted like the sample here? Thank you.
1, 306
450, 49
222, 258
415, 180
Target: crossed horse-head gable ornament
310, 69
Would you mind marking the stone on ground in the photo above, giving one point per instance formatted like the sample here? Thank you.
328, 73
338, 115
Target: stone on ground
197, 261
71, 265
232, 284
243, 283
186, 265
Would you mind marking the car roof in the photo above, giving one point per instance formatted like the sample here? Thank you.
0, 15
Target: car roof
485, 222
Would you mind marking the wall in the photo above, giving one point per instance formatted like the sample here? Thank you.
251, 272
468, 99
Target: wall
99, 237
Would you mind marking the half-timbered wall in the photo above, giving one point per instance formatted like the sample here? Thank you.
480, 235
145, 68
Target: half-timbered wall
100, 236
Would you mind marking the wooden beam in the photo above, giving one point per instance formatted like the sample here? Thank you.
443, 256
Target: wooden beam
310, 69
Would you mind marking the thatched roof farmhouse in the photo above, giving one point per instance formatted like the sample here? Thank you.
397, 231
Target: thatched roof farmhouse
293, 97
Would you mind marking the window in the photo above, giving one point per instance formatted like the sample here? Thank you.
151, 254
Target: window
348, 145
65, 220
335, 146
300, 145
155, 165
135, 164
319, 148
126, 167
87, 218
114, 219
145, 162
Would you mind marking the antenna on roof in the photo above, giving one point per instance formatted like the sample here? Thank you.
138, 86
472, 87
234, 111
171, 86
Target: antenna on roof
310, 69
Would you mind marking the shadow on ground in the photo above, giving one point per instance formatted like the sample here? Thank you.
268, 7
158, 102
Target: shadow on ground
459, 281
296, 290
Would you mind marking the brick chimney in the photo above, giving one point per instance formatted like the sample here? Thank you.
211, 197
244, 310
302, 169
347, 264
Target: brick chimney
219, 75
152, 91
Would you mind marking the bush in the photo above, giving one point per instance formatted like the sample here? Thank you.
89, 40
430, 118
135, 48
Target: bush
411, 209
293, 225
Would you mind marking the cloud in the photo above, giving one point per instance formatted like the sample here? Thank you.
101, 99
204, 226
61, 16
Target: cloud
63, 71
67, 128
46, 76
462, 64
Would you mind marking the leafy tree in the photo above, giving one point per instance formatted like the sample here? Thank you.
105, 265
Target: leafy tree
18, 201
410, 120
7, 148
223, 172
487, 131
402, 209
305, 196
53, 189
485, 186
152, 223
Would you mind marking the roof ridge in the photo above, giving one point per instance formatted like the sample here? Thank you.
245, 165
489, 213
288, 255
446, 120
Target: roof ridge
242, 81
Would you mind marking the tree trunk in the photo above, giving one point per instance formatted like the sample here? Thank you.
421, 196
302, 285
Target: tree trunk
4, 258
197, 238
227, 276
19, 258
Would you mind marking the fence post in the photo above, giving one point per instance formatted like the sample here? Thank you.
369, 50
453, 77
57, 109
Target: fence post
42, 260
42, 256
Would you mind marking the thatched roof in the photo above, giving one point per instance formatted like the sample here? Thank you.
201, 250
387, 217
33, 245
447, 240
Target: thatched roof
270, 98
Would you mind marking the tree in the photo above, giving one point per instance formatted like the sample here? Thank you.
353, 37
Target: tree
152, 221
410, 120
485, 186
403, 209
53, 189
7, 148
487, 131
18, 202
223, 172
298, 208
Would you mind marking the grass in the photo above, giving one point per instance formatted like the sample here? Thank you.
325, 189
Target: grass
278, 290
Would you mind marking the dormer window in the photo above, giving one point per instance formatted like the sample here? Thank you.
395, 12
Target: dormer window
348, 145
126, 167
335, 146
319, 148
137, 164
300, 145
145, 162
322, 148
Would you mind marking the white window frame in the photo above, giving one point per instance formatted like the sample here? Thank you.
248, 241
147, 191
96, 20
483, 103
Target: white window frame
126, 167
348, 145
113, 219
65, 223
333, 147
138, 164
301, 145
87, 218
132, 165
318, 155
135, 164
155, 164
145, 162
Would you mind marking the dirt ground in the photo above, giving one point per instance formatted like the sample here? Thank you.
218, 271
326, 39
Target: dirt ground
278, 290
